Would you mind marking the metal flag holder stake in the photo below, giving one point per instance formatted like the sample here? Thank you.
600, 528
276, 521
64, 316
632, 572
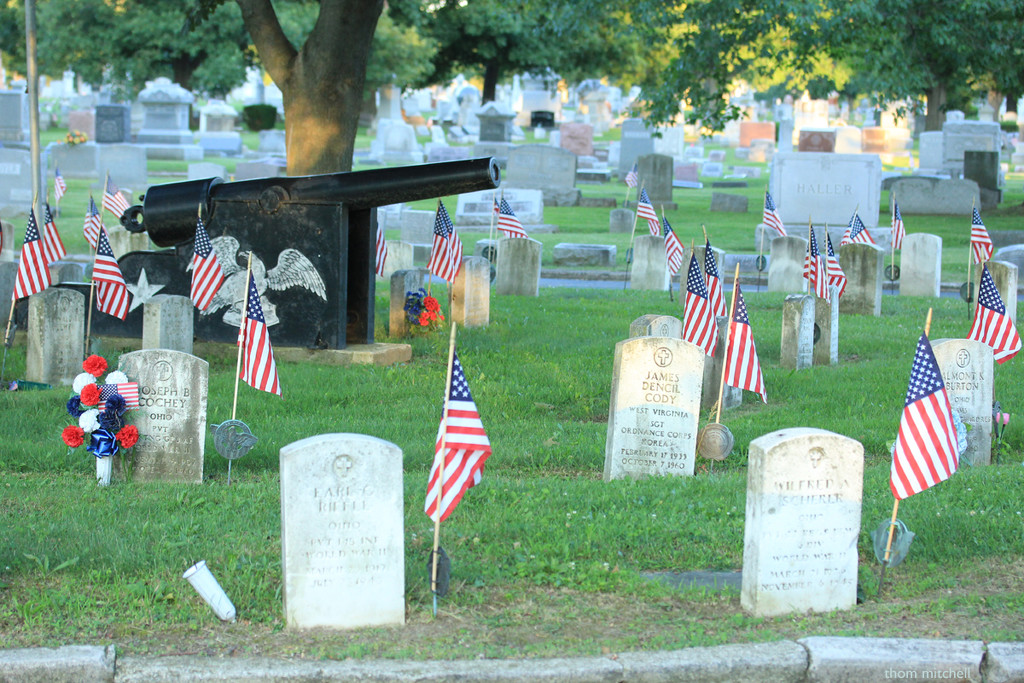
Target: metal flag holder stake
8, 343
901, 540
232, 439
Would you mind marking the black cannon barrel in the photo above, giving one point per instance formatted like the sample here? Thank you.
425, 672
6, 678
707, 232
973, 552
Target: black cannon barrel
169, 211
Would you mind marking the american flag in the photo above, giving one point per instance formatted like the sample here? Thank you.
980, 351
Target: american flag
992, 326
113, 200
446, 250
742, 369
33, 273
926, 451
981, 243
699, 324
207, 275
771, 216
856, 232
508, 223
673, 250
631, 177
898, 230
465, 451
258, 369
714, 281
814, 269
59, 186
93, 222
644, 209
53, 246
129, 392
111, 291
836, 276
382, 252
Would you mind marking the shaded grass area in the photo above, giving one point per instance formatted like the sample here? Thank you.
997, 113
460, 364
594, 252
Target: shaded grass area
547, 558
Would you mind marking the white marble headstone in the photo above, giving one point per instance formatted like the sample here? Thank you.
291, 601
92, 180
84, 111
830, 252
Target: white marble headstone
967, 371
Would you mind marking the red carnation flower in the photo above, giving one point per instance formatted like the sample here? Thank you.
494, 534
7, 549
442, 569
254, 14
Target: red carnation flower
73, 436
94, 365
128, 436
424, 318
90, 395
431, 304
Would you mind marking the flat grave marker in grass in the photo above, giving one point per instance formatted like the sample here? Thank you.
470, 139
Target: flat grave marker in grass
655, 405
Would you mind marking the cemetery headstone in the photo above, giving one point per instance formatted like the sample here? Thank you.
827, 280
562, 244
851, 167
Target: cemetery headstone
812, 140
172, 414
15, 181
936, 196
76, 161
113, 123
542, 167
399, 257
578, 138
247, 170
797, 347
862, 264
650, 264
921, 265
826, 188
517, 270
967, 371
417, 226
56, 336
14, 126
753, 130
165, 129
342, 539
653, 325
729, 203
570, 254
495, 123
636, 142
471, 292
403, 281
477, 208
167, 323
620, 221
655, 172
848, 140
803, 515
655, 403
206, 169
1004, 277
761, 151
7, 241
929, 151
217, 134
826, 319
126, 164
873, 139
786, 265
272, 142
83, 121
713, 169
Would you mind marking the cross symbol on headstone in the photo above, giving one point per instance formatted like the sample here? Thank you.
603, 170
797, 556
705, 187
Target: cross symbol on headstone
342, 464
662, 356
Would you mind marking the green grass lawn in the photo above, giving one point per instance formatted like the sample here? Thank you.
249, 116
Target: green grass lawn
547, 559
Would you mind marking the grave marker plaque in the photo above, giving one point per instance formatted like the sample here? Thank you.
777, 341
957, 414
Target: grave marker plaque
342, 542
655, 403
56, 336
804, 489
967, 371
172, 414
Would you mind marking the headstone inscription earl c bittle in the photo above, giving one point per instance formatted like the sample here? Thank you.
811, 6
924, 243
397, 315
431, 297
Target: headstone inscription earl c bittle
655, 403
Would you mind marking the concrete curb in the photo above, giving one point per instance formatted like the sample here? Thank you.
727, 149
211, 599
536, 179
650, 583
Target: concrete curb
811, 659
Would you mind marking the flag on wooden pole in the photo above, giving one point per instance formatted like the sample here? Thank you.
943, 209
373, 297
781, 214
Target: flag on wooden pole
93, 222
508, 223
644, 209
446, 250
926, 450
673, 249
33, 271
111, 291
382, 252
836, 276
981, 243
59, 186
814, 268
207, 274
898, 230
113, 200
714, 281
53, 245
992, 326
699, 324
771, 217
856, 232
742, 369
460, 450
258, 369
632, 177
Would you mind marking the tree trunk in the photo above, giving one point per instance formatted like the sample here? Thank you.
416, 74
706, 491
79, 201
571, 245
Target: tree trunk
321, 83
491, 73
935, 114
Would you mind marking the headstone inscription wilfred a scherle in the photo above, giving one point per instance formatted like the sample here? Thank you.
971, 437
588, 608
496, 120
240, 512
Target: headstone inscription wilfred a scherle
655, 403
804, 489
172, 414
342, 542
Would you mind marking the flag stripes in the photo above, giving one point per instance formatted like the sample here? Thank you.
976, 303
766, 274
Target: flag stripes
33, 271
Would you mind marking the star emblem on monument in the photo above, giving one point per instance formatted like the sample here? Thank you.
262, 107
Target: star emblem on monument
142, 291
